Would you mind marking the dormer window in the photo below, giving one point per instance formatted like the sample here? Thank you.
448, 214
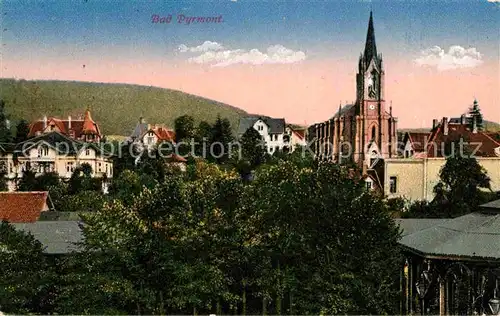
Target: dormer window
87, 152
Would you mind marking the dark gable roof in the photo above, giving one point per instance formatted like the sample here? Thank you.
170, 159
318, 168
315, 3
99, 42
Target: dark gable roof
58, 237
22, 207
139, 130
472, 236
492, 205
276, 125
344, 110
7, 147
62, 143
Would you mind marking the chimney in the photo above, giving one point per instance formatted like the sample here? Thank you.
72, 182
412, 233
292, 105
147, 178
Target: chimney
69, 121
434, 123
445, 125
474, 125
462, 119
44, 121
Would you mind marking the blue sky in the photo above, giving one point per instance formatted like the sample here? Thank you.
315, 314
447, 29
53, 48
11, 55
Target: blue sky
124, 27
292, 59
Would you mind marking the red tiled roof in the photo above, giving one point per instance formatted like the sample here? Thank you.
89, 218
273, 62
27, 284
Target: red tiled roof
480, 142
77, 126
89, 126
163, 133
22, 207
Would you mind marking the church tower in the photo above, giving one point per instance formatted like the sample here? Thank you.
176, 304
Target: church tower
363, 132
374, 128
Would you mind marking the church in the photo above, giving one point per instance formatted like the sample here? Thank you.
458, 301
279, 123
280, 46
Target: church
363, 132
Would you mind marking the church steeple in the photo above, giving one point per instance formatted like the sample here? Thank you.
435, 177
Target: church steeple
370, 46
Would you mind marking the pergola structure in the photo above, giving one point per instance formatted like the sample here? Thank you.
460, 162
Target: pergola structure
452, 266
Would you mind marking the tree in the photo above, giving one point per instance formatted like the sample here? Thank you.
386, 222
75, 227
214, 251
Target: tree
125, 186
26, 276
220, 142
3, 182
28, 181
184, 128
202, 137
81, 201
82, 180
22, 131
320, 242
5, 133
459, 188
476, 115
253, 148
173, 243
125, 157
46, 180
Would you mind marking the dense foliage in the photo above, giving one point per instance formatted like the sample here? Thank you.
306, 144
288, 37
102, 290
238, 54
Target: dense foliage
26, 275
22, 131
298, 239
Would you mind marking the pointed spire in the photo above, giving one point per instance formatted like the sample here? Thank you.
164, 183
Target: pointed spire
370, 45
88, 123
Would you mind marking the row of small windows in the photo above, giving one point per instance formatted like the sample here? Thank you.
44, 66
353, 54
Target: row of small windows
43, 151
393, 185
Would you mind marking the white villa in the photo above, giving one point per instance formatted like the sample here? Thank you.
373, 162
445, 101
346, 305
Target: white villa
276, 135
53, 152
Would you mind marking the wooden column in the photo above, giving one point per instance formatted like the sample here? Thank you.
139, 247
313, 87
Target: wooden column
442, 296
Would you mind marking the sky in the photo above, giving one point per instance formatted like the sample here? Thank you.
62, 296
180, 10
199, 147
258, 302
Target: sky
291, 59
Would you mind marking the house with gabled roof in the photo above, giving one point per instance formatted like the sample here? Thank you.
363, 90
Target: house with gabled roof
81, 129
54, 152
415, 175
272, 131
149, 135
294, 137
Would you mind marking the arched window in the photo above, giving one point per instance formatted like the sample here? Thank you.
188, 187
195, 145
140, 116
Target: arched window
374, 131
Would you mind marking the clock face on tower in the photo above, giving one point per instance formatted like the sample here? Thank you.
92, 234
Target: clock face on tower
371, 107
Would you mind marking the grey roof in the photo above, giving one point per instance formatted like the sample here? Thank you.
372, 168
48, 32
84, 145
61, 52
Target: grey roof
413, 225
58, 237
139, 129
493, 204
344, 109
474, 235
276, 125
